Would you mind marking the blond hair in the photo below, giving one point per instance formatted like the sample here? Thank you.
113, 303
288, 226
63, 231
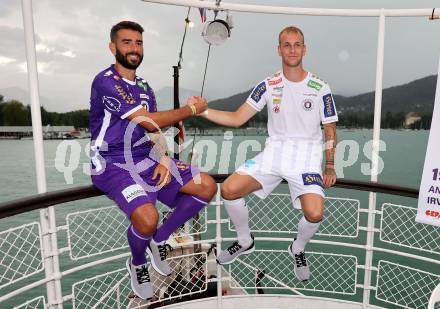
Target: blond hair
290, 29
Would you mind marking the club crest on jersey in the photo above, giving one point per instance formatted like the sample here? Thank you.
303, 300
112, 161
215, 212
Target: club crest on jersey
258, 92
111, 104
145, 105
308, 105
276, 108
329, 106
127, 98
312, 179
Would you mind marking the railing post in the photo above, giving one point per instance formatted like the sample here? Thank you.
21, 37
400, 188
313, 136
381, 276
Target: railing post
47, 216
374, 158
218, 238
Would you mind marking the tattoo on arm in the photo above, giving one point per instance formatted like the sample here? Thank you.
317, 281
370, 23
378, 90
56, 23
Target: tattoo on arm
330, 143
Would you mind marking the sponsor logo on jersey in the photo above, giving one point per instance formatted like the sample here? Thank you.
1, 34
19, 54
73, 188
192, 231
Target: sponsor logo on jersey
144, 96
249, 163
276, 108
312, 179
309, 94
111, 104
314, 85
142, 85
329, 106
278, 89
258, 92
276, 100
108, 73
181, 165
308, 105
132, 192
127, 98
274, 82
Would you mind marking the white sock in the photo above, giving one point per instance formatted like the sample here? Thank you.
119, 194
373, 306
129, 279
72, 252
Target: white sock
239, 215
306, 230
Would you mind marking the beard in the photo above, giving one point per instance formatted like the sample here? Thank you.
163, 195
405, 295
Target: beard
123, 60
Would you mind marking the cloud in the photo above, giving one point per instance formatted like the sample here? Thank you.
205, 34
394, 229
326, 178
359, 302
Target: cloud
8, 6
6, 60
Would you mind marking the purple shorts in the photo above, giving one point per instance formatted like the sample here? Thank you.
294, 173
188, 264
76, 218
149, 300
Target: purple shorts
131, 187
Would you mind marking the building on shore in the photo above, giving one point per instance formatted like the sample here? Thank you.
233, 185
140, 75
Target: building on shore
49, 132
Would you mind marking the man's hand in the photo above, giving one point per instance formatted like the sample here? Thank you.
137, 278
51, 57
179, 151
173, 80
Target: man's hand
329, 177
198, 102
163, 171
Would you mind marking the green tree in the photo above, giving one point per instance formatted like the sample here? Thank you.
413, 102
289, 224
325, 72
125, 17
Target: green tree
15, 114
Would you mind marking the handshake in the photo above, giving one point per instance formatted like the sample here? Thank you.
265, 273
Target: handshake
197, 104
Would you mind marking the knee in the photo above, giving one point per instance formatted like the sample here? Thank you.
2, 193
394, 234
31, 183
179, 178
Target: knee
145, 223
209, 187
228, 192
314, 216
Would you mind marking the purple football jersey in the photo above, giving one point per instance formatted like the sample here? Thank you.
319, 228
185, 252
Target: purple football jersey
113, 99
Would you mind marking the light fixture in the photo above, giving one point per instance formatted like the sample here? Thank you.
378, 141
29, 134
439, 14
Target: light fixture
189, 23
216, 32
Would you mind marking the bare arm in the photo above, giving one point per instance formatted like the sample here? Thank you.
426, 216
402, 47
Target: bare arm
330, 151
151, 121
231, 119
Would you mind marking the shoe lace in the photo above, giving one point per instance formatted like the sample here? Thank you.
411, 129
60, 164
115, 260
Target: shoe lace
234, 248
162, 252
142, 274
300, 259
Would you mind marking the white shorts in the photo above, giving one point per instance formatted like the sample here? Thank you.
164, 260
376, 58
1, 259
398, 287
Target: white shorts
269, 172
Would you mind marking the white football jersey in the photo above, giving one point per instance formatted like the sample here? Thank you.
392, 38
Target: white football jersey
295, 110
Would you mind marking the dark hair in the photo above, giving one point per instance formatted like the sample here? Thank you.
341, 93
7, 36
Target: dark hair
125, 25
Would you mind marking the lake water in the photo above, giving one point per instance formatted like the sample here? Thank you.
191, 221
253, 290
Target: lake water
402, 153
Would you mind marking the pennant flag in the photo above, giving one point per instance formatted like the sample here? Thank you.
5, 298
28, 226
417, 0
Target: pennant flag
203, 14
181, 136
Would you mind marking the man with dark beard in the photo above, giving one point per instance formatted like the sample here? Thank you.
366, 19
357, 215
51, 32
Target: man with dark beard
133, 170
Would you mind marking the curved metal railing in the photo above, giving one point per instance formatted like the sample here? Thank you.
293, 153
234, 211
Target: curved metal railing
39, 201
405, 265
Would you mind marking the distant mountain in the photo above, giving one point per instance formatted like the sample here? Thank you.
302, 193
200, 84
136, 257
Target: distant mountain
19, 94
415, 96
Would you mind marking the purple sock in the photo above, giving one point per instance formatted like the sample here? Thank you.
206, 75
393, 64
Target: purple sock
138, 244
187, 206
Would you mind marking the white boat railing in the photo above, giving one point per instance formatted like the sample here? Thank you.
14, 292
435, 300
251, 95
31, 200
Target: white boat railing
405, 260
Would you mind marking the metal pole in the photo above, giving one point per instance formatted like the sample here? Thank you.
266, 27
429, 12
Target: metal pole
176, 106
218, 234
374, 158
288, 10
47, 216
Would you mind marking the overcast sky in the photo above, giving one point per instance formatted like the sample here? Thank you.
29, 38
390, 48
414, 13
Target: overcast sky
72, 40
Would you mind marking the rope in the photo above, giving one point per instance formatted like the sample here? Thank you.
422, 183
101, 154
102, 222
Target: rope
183, 39
206, 68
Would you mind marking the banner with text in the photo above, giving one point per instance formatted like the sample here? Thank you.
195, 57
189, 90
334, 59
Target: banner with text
428, 211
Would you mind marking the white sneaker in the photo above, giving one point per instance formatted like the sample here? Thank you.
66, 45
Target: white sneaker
234, 251
140, 280
301, 268
158, 254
